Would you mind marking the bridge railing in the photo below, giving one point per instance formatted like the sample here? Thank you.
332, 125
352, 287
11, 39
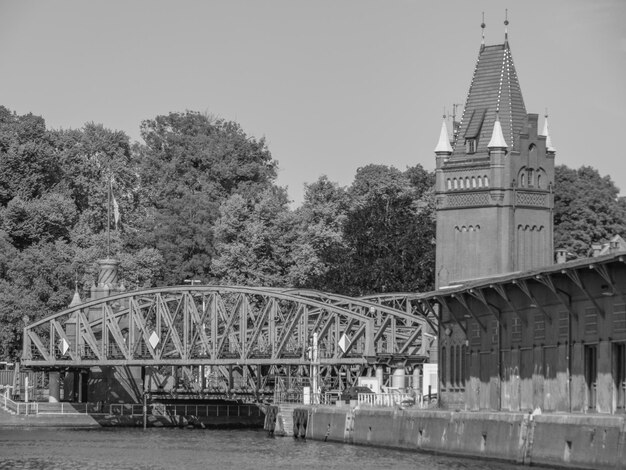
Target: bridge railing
17, 407
389, 399
127, 409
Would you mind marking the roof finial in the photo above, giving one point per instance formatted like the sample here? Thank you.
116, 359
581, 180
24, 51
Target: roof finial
506, 25
482, 26
546, 132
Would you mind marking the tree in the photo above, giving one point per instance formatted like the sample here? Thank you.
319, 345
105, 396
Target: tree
254, 240
390, 230
189, 165
319, 253
587, 209
29, 166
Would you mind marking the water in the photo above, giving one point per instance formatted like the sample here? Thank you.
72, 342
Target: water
159, 448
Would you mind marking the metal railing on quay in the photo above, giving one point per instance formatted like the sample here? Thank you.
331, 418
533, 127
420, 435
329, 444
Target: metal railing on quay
390, 399
18, 408
128, 409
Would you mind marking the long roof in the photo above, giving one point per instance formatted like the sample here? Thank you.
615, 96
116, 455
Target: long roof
583, 263
494, 90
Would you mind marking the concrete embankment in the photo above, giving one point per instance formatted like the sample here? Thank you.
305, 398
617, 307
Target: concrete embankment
582, 441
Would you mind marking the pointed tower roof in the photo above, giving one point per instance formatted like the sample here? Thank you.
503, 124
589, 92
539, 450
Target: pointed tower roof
494, 90
497, 138
546, 132
76, 299
443, 146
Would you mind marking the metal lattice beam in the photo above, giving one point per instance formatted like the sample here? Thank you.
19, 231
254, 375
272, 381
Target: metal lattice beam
223, 325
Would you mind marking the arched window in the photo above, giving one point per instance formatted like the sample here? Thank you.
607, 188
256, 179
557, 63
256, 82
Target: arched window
480, 182
455, 183
473, 182
522, 180
467, 182
449, 183
538, 181
486, 181
531, 178
460, 183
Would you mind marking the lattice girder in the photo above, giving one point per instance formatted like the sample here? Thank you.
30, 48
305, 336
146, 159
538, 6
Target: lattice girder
221, 325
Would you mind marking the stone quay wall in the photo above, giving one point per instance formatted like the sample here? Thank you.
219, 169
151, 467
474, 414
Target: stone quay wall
561, 440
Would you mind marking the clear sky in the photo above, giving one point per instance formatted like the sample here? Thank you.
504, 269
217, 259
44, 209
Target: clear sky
332, 85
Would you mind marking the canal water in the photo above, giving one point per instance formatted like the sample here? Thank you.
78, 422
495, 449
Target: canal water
173, 448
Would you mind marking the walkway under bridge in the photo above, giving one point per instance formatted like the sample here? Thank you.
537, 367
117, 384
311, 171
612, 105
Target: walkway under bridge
254, 334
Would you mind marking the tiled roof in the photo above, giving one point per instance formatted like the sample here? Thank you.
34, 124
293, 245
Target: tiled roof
494, 89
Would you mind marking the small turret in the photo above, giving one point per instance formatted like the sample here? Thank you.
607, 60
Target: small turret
497, 148
549, 148
443, 150
497, 137
76, 300
443, 146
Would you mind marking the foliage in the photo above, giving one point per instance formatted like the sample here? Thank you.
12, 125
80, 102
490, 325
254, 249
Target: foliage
319, 251
191, 163
253, 240
587, 209
390, 230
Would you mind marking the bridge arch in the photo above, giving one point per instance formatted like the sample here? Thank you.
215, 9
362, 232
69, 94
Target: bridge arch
224, 325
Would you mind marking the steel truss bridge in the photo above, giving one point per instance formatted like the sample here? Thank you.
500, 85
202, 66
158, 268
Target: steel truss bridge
258, 332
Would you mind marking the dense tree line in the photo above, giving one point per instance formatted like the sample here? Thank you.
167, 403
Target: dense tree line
198, 199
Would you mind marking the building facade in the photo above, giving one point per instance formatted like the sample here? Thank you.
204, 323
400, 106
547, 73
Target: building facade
494, 180
518, 332
552, 338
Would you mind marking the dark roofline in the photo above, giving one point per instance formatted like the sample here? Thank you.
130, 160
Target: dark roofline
521, 275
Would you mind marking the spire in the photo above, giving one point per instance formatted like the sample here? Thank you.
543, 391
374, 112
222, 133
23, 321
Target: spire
506, 26
76, 299
443, 146
482, 26
546, 132
494, 89
497, 138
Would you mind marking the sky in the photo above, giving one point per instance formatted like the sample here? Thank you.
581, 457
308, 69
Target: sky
332, 85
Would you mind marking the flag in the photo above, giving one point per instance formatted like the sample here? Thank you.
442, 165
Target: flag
116, 212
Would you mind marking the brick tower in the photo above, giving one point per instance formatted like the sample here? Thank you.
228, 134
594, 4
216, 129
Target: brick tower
494, 183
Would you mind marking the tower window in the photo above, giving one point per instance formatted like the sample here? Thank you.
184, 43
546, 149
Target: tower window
538, 180
467, 182
486, 181
473, 182
456, 184
470, 145
449, 184
461, 183
480, 182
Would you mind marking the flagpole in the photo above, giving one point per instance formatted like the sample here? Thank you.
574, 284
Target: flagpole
109, 219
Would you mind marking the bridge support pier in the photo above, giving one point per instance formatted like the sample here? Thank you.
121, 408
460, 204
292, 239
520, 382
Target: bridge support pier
380, 375
54, 386
416, 380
